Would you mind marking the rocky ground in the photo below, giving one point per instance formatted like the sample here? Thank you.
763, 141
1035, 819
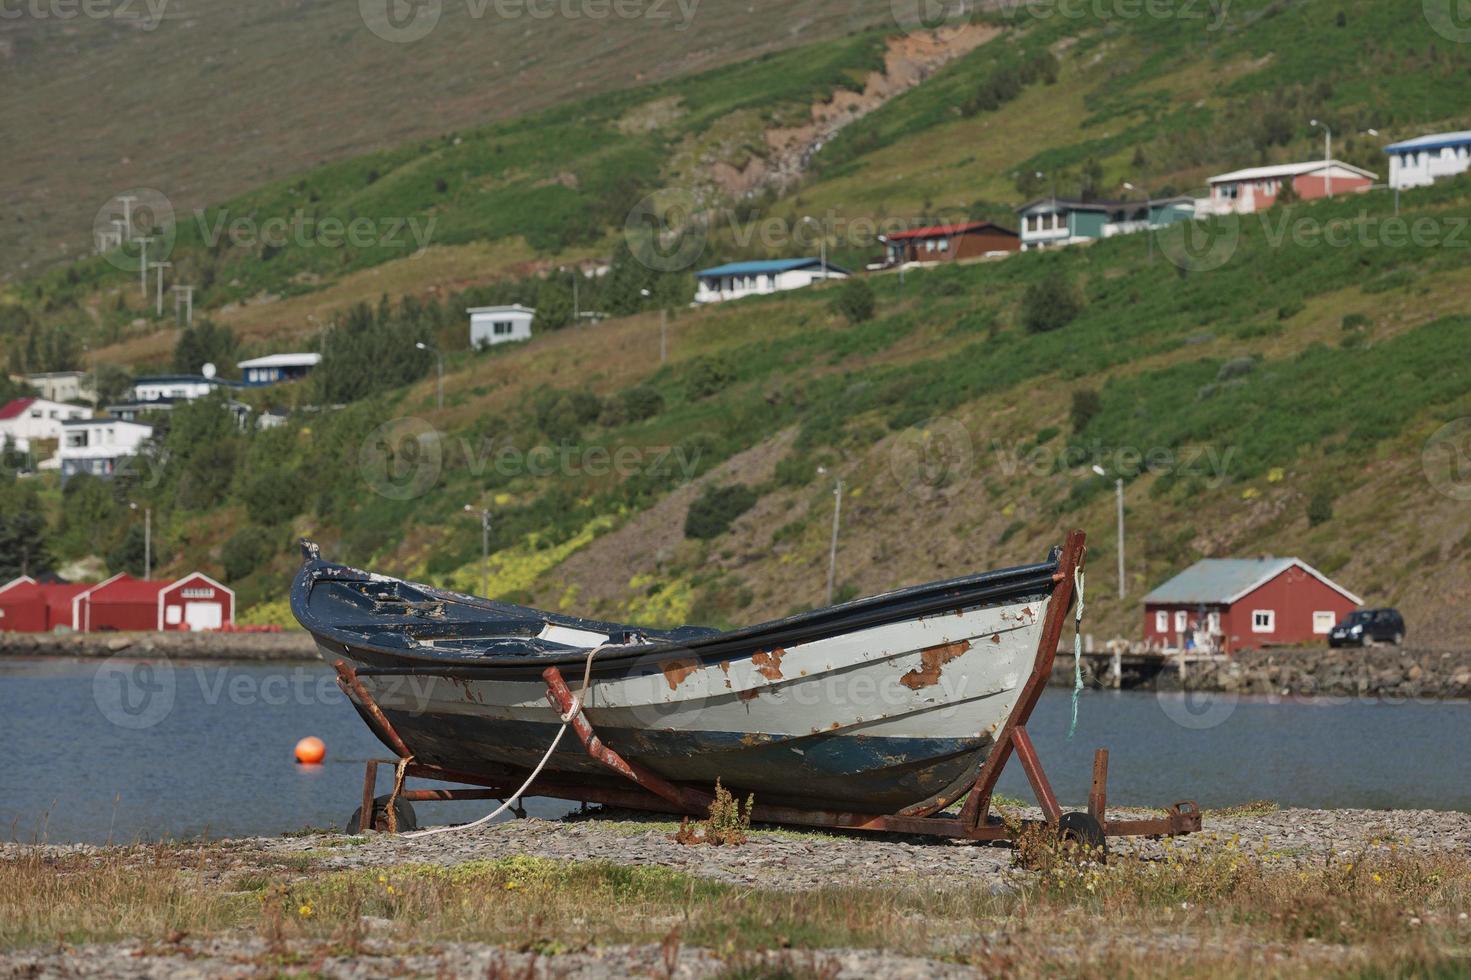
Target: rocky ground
773, 862
289, 645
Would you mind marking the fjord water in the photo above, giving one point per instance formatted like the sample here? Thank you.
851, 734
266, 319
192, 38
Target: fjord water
126, 751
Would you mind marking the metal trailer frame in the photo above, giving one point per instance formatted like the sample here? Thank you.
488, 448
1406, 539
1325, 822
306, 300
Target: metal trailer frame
649, 791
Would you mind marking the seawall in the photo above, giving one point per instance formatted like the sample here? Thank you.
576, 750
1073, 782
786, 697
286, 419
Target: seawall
288, 645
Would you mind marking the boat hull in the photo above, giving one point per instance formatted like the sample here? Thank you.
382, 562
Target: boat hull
872, 720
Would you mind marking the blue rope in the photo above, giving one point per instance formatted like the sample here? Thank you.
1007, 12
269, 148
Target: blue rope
1077, 652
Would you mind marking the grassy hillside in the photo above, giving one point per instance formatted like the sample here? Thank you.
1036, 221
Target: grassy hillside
213, 98
1279, 401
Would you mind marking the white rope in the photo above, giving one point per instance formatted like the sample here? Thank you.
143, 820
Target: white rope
1077, 649
510, 801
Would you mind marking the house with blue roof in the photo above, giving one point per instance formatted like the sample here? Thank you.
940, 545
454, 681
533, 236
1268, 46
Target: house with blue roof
1422, 161
757, 278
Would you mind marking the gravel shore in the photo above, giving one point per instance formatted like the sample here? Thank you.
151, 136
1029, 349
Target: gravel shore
773, 859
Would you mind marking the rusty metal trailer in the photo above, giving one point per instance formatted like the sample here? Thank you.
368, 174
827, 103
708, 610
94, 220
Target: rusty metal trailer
638, 787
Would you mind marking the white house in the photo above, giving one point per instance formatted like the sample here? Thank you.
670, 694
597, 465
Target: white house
1256, 188
25, 419
736, 279
277, 367
64, 386
97, 446
1424, 160
177, 387
490, 325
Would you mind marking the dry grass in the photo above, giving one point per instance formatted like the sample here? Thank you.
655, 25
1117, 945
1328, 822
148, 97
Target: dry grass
1216, 912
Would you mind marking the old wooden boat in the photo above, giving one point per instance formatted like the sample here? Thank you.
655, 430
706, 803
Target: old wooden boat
890, 704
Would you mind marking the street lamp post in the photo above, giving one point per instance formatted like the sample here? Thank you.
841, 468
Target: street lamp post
1119, 495
484, 547
832, 555
1327, 156
147, 540
1148, 215
663, 327
439, 362
143, 264
822, 243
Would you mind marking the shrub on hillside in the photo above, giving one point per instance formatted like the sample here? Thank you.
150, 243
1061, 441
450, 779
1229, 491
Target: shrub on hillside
1086, 404
1049, 304
245, 551
855, 301
715, 509
1320, 507
795, 471
708, 376
560, 415
641, 402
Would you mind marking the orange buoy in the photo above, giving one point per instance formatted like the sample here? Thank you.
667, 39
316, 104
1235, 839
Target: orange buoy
311, 750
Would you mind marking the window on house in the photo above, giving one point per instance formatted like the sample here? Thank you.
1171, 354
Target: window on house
929, 245
501, 328
1182, 621
1161, 621
1263, 620
1213, 622
944, 245
1323, 621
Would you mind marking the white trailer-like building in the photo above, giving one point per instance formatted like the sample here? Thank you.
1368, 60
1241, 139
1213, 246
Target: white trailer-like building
490, 325
1422, 161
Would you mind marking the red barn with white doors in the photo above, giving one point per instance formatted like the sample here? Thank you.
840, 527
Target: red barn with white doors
1230, 604
195, 602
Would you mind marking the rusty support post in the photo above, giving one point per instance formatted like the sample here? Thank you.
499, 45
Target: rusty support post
347, 679
978, 804
560, 697
1026, 754
370, 782
1098, 793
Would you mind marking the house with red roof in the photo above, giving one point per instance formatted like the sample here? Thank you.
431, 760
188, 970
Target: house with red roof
195, 602
23, 420
949, 243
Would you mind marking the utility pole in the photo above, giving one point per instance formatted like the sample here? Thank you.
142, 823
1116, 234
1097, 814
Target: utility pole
1148, 215
184, 295
576, 308
1327, 156
143, 265
663, 335
484, 548
160, 266
439, 361
832, 556
127, 203
1119, 491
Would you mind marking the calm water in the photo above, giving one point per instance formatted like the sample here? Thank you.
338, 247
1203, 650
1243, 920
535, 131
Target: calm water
127, 751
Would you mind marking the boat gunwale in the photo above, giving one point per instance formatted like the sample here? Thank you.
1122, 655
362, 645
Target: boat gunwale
911, 603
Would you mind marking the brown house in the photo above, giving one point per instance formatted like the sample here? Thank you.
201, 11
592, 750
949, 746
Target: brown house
949, 243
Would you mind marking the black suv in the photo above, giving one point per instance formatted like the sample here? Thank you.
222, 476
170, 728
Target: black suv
1365, 627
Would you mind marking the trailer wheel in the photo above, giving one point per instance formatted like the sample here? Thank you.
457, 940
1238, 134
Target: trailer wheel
402, 809
1083, 833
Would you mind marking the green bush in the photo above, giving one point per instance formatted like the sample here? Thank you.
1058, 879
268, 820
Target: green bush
641, 402
855, 301
795, 471
1050, 304
1320, 507
1086, 404
245, 551
708, 376
715, 509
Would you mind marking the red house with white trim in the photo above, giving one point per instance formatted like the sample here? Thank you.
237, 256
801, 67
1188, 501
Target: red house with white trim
1230, 604
195, 602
